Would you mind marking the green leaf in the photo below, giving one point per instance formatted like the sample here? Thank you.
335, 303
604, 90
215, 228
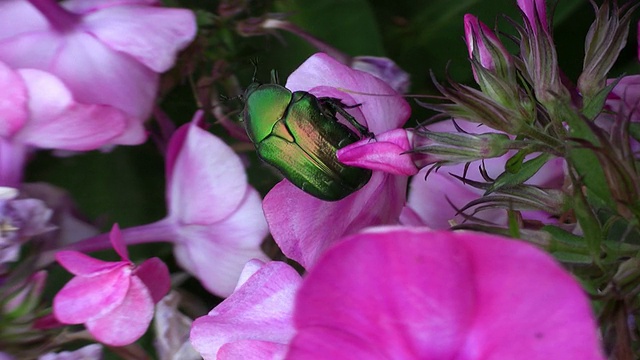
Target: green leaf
525, 172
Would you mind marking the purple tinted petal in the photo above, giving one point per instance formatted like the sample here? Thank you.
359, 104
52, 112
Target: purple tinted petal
155, 276
86, 6
126, 323
58, 121
84, 298
19, 16
251, 350
208, 181
381, 112
151, 35
259, 310
304, 227
216, 253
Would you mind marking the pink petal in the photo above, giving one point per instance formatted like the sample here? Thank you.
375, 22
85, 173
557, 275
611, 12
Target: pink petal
381, 112
208, 181
216, 253
78, 263
118, 243
387, 152
410, 293
57, 121
155, 276
13, 102
152, 35
84, 298
106, 77
251, 350
304, 227
19, 16
127, 322
260, 310
87, 6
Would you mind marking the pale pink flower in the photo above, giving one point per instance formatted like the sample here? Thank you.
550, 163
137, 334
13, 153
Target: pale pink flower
103, 52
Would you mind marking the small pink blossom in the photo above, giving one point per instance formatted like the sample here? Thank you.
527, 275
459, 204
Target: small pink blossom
114, 300
255, 321
304, 226
535, 11
106, 53
410, 293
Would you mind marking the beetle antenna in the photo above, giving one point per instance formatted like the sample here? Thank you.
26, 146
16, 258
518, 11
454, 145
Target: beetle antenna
274, 77
254, 62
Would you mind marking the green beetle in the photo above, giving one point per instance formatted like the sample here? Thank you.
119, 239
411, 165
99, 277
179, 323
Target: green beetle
299, 134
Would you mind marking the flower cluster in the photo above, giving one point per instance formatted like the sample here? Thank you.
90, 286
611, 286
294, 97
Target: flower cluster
321, 217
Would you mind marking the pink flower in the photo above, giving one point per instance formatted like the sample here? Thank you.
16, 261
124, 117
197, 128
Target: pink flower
215, 217
304, 226
256, 320
486, 48
114, 300
99, 51
409, 293
41, 111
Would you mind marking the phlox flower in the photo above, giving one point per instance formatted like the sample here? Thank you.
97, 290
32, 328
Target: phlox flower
255, 322
94, 52
304, 226
215, 218
407, 293
114, 300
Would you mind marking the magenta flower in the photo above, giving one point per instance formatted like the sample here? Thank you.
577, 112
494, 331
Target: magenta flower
304, 226
114, 300
485, 47
410, 293
535, 11
105, 52
256, 320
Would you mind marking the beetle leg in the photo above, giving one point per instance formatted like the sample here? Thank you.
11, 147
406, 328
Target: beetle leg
336, 106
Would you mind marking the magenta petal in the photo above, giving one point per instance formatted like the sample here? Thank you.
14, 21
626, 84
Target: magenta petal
381, 112
395, 291
155, 276
288, 211
216, 253
152, 35
406, 293
387, 152
259, 310
208, 181
13, 103
127, 322
84, 298
78, 263
118, 243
